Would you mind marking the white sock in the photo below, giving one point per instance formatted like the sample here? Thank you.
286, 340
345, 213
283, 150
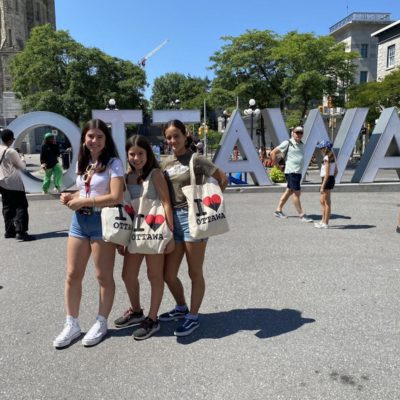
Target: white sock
101, 318
70, 318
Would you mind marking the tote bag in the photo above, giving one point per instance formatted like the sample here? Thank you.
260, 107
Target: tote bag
117, 221
207, 215
150, 233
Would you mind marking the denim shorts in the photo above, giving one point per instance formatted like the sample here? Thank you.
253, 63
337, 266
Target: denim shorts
181, 227
86, 226
293, 181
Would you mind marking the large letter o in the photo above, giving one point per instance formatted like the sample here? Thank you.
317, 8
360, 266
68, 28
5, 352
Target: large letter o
40, 118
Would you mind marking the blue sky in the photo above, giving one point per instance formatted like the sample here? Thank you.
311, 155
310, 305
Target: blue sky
130, 29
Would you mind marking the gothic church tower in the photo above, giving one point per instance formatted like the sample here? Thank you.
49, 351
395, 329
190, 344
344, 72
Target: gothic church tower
17, 18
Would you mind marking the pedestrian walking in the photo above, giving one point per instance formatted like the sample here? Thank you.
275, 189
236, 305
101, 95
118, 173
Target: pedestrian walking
292, 151
176, 167
49, 154
100, 183
143, 166
15, 203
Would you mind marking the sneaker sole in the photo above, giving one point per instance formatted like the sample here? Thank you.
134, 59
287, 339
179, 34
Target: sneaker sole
186, 333
93, 342
128, 324
65, 343
151, 333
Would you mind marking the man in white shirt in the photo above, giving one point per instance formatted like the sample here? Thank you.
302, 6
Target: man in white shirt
15, 203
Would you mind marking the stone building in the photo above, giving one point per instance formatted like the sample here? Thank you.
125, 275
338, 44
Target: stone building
355, 31
388, 49
17, 18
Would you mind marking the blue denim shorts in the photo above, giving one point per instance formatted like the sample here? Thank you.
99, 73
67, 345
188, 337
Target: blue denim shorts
86, 226
181, 227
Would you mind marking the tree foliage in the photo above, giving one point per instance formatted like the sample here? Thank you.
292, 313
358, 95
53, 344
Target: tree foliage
189, 90
377, 95
294, 70
246, 67
55, 73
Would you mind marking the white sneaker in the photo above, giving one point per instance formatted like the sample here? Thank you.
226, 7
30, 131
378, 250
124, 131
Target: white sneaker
305, 218
70, 332
321, 225
96, 333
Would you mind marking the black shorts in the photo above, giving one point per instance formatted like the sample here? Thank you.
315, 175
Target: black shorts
293, 181
330, 184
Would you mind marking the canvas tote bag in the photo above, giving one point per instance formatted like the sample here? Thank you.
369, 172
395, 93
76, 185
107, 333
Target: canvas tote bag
117, 221
150, 233
207, 215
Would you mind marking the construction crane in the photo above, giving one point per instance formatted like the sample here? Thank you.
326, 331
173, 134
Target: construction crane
142, 62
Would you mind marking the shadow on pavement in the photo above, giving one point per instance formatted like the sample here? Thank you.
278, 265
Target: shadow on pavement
50, 235
352, 226
268, 323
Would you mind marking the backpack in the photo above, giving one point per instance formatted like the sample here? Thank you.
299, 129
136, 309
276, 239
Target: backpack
282, 161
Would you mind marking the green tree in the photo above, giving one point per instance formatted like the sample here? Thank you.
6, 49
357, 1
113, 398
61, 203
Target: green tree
290, 71
376, 95
313, 66
246, 67
55, 73
190, 90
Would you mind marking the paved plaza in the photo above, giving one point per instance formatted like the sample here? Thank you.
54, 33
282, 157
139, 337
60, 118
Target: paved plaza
290, 312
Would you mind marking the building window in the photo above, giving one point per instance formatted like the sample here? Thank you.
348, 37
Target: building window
391, 52
364, 50
363, 76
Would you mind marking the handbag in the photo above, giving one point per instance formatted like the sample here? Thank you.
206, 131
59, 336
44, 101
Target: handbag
207, 215
117, 221
151, 233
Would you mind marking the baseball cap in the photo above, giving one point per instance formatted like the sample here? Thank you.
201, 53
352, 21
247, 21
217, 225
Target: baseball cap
298, 129
48, 135
325, 144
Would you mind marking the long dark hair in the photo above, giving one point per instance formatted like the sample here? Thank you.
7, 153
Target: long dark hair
151, 162
109, 151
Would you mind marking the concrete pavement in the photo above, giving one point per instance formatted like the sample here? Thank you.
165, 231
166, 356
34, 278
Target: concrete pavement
290, 312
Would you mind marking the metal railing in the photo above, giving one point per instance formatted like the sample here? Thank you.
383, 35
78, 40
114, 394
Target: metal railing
361, 17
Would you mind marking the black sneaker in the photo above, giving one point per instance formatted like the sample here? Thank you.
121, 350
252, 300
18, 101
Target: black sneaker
173, 315
188, 326
10, 235
24, 237
147, 328
398, 229
129, 318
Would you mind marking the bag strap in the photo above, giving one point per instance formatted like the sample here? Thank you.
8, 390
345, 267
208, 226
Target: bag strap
287, 149
2, 157
191, 169
146, 184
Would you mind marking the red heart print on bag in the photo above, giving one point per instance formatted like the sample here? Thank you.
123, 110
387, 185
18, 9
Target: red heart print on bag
212, 202
130, 211
154, 221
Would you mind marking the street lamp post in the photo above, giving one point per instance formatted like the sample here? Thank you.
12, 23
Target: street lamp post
112, 105
252, 110
175, 104
226, 116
